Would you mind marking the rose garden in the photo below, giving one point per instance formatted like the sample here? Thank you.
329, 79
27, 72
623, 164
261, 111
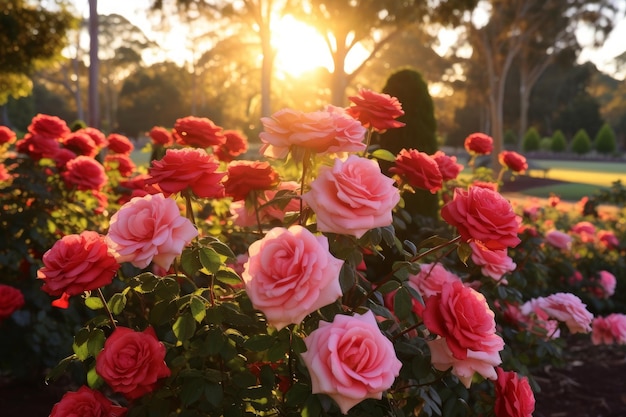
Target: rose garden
300, 279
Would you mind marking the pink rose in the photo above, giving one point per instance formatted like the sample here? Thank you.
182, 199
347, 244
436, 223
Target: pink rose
558, 239
494, 263
77, 263
564, 307
119, 144
235, 144
86, 402
246, 216
11, 300
147, 229
513, 161
318, 132
38, 146
244, 177
448, 166
607, 282
418, 169
161, 136
608, 239
609, 330
198, 132
479, 144
483, 214
7, 135
131, 363
431, 279
514, 397
188, 167
84, 173
50, 127
290, 273
376, 110
350, 360
352, 197
4, 173
81, 144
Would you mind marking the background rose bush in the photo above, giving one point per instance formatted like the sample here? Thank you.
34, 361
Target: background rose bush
181, 318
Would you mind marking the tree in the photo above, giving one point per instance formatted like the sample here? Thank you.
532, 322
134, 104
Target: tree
605, 140
581, 143
532, 140
93, 105
559, 144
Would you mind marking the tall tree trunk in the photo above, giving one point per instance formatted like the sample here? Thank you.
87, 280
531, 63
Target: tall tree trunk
339, 80
94, 64
528, 79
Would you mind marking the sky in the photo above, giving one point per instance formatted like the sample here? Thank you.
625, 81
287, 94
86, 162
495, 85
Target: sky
172, 43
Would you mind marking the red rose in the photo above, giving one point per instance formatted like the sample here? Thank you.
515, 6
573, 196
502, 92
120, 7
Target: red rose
182, 168
448, 166
4, 173
80, 144
198, 132
161, 136
77, 263
376, 110
120, 144
513, 161
483, 214
121, 162
514, 397
62, 157
97, 136
235, 144
38, 146
419, 169
479, 144
7, 135
86, 403
11, 299
131, 363
85, 173
50, 127
247, 176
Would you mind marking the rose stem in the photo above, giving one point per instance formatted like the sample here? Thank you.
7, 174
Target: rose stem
106, 307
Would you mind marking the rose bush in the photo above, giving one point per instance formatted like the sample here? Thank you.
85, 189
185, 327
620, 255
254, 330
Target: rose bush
265, 294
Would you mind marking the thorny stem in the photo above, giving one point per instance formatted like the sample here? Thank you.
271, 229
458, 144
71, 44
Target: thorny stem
188, 206
255, 202
368, 139
305, 166
106, 307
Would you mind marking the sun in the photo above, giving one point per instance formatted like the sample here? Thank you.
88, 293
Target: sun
299, 47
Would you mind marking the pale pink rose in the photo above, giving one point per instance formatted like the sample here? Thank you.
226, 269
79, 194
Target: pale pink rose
558, 239
448, 166
482, 362
431, 278
493, 263
564, 307
291, 273
608, 282
350, 360
536, 321
609, 330
244, 216
148, 229
608, 239
352, 197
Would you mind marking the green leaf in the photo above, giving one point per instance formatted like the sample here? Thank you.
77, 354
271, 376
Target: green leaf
464, 251
297, 394
145, 282
95, 343
94, 303
184, 327
223, 250
81, 351
60, 368
162, 312
388, 287
210, 260
312, 407
167, 289
93, 379
117, 303
190, 261
191, 391
384, 155
213, 394
402, 303
228, 276
198, 309
259, 342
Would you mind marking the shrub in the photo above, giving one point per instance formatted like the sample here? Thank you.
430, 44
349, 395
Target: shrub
581, 144
545, 144
559, 144
510, 138
605, 140
531, 140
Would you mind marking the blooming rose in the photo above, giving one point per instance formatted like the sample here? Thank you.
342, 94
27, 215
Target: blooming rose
247, 176
85, 173
120, 144
7, 135
513, 161
62, 157
198, 132
50, 127
352, 197
461, 316
246, 216
80, 144
376, 110
182, 168
564, 307
483, 214
609, 330
161, 136
494, 263
77, 263
431, 279
448, 166
147, 229
120, 162
608, 239
419, 170
4, 173
514, 397
11, 299
607, 282
319, 132
38, 146
235, 144
86, 402
96, 135
131, 363
290, 273
478, 144
350, 360
558, 239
